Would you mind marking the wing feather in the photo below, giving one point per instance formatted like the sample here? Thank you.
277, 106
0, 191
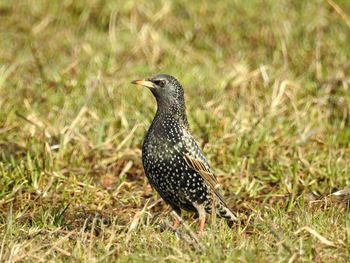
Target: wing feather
207, 175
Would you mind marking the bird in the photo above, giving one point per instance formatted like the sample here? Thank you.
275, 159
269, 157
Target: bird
172, 160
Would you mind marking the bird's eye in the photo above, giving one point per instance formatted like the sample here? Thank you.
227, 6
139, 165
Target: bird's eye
160, 83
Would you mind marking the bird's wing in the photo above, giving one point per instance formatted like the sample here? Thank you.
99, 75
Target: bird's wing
206, 173
197, 161
203, 170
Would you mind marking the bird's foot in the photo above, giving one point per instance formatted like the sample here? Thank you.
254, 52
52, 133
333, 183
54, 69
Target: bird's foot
176, 224
200, 233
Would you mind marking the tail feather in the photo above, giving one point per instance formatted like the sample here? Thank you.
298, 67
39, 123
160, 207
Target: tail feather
224, 211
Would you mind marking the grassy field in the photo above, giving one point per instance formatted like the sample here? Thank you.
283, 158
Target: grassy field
268, 98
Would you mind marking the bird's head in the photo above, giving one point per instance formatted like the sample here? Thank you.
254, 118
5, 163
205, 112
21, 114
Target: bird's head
168, 92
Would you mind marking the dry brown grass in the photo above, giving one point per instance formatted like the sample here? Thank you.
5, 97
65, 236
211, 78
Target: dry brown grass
267, 90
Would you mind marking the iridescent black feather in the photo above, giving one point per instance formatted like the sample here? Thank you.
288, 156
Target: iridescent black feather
173, 162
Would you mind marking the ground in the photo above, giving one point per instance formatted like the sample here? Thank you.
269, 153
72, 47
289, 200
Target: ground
267, 91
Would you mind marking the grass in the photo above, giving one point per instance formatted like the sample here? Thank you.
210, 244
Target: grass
267, 91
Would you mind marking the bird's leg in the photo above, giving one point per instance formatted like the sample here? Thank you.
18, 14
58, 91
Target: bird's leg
176, 224
177, 220
201, 226
201, 214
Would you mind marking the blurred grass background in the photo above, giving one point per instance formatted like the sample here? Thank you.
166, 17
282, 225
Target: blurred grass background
267, 91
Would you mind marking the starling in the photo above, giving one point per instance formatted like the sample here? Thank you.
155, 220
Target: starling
173, 162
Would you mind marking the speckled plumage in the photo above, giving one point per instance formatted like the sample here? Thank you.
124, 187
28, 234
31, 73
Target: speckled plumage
172, 160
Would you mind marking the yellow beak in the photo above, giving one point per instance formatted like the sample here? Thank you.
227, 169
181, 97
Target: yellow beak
143, 82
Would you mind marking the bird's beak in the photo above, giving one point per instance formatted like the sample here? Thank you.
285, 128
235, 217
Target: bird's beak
144, 82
